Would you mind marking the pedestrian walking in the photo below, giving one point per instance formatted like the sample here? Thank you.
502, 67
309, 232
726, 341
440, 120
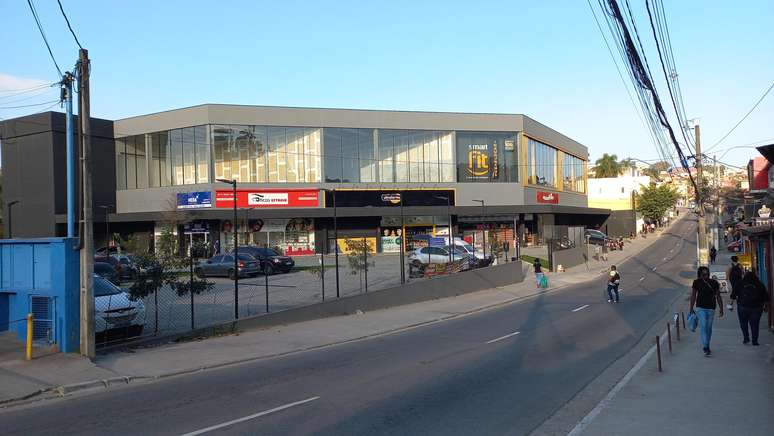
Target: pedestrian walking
705, 298
613, 282
538, 272
713, 254
734, 272
751, 298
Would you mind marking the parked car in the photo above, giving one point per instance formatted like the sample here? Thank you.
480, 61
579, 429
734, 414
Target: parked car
222, 265
128, 268
425, 255
113, 262
106, 271
104, 251
269, 259
477, 256
115, 311
595, 237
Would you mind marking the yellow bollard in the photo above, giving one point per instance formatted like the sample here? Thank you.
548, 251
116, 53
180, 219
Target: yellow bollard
29, 336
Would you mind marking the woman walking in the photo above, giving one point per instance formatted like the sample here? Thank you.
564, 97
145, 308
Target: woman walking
705, 297
538, 272
751, 297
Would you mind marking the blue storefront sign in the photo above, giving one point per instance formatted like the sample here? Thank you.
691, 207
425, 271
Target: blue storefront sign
437, 242
194, 200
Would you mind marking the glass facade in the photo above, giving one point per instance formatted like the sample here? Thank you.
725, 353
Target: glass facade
541, 163
487, 157
414, 156
273, 154
574, 172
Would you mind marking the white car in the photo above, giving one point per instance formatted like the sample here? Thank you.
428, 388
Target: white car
425, 255
114, 311
476, 255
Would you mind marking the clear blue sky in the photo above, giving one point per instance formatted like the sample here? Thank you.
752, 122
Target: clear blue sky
544, 59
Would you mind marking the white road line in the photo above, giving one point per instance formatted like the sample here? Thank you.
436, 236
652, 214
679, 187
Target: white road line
249, 417
581, 426
502, 337
580, 308
642, 278
654, 268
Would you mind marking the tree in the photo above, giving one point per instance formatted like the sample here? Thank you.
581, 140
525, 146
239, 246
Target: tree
358, 256
653, 201
655, 170
607, 166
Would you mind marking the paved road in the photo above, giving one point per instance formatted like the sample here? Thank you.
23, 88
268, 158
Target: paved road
470, 375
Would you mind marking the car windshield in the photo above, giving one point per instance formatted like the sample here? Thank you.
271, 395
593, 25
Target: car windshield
469, 248
103, 288
268, 252
246, 257
100, 267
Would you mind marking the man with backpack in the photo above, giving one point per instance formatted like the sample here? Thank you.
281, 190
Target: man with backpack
613, 281
751, 297
734, 273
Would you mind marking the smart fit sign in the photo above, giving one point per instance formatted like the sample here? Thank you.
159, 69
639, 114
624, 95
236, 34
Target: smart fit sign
547, 197
268, 198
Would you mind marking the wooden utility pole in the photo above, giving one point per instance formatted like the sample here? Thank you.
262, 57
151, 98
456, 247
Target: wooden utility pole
702, 242
87, 235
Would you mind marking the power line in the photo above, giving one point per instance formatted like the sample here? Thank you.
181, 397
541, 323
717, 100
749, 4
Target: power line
29, 105
68, 24
16, 92
744, 117
43, 34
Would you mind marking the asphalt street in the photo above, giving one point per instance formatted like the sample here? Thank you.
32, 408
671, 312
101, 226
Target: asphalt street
501, 371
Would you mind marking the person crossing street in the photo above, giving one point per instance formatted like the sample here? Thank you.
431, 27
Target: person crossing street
613, 282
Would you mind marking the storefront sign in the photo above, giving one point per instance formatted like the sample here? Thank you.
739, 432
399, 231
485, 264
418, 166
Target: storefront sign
196, 227
389, 198
194, 200
350, 245
268, 198
437, 242
547, 197
390, 244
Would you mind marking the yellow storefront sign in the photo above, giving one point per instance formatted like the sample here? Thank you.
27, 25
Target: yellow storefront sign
347, 245
745, 259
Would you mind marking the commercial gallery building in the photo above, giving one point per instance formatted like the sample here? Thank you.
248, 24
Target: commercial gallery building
383, 174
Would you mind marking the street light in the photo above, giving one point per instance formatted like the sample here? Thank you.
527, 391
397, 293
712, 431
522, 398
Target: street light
233, 184
483, 227
10, 204
448, 212
107, 226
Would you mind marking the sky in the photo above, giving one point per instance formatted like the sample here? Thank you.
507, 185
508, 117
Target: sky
543, 59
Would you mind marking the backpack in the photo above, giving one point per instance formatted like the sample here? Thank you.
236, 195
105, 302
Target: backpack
749, 295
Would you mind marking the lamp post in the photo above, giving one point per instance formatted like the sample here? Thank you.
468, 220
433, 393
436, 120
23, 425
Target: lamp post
233, 184
10, 215
402, 243
483, 227
451, 234
107, 227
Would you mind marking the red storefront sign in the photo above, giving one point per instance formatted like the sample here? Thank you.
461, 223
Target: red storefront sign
268, 198
547, 197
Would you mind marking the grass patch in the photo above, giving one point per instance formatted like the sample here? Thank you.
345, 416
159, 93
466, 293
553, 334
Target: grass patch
531, 260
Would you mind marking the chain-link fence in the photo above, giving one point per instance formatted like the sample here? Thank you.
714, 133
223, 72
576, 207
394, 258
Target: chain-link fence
194, 294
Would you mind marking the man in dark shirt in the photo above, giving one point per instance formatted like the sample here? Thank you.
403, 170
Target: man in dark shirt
613, 281
705, 297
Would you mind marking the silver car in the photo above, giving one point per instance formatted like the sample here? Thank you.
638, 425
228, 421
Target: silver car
114, 310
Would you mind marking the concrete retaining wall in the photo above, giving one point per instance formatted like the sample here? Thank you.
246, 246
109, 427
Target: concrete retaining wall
570, 257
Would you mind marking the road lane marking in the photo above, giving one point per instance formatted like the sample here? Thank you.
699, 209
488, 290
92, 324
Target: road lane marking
642, 278
580, 308
654, 268
502, 337
249, 417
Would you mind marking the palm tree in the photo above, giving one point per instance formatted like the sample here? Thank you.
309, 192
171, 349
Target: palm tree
607, 166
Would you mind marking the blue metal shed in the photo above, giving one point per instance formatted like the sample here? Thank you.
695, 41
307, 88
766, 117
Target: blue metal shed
41, 276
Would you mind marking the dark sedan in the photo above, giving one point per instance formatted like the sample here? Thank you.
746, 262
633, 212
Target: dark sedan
222, 265
595, 237
270, 260
106, 271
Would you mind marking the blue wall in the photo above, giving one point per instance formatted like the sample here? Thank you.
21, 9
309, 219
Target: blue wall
45, 267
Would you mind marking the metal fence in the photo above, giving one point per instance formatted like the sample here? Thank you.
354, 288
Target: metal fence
312, 280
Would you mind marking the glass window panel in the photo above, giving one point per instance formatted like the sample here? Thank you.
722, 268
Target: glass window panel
121, 163
350, 167
131, 164
189, 162
401, 150
176, 145
240, 158
416, 156
447, 157
312, 139
276, 155
202, 140
220, 150
386, 156
332, 151
294, 136
142, 169
430, 152
366, 155
260, 155
300, 154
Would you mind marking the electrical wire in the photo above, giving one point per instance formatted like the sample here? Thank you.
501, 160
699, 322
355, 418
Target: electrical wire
68, 24
744, 117
30, 105
43, 34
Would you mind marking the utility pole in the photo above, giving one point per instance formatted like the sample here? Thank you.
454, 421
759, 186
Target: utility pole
87, 235
67, 89
702, 242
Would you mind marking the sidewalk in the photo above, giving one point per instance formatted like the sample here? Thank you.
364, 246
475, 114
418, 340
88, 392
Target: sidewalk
60, 374
729, 393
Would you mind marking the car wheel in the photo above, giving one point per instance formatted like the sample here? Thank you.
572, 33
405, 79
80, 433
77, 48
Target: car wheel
199, 273
231, 274
135, 330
